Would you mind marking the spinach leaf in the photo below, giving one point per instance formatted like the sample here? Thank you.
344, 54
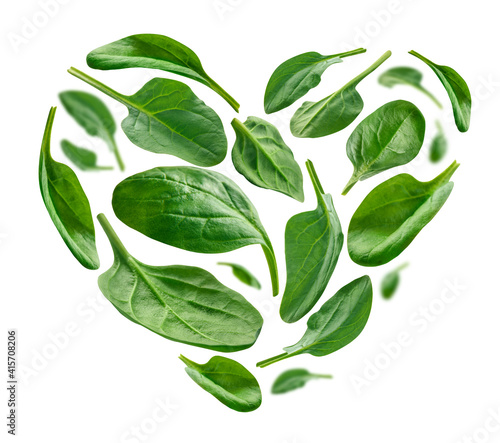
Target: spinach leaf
457, 90
313, 241
182, 303
295, 77
392, 215
333, 113
390, 282
294, 379
92, 114
243, 274
82, 158
439, 145
391, 136
166, 117
338, 322
228, 381
405, 75
263, 158
67, 203
193, 209
156, 52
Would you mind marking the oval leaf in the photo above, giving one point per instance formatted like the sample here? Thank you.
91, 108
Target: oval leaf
156, 52
313, 241
390, 282
391, 136
439, 145
228, 381
242, 274
166, 117
294, 379
82, 158
392, 215
263, 158
193, 209
67, 203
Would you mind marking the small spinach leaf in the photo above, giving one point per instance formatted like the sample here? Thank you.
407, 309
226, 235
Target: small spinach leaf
157, 52
243, 274
181, 303
294, 379
67, 203
392, 215
295, 77
263, 158
391, 136
457, 90
337, 323
439, 145
193, 209
228, 381
313, 241
390, 282
82, 158
333, 113
166, 117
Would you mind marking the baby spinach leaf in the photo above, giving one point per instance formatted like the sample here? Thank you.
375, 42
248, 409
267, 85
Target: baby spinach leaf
390, 282
338, 322
166, 117
182, 303
228, 381
333, 113
92, 114
295, 77
457, 90
439, 145
82, 158
243, 274
392, 215
294, 379
391, 136
156, 52
313, 241
193, 209
263, 158
405, 75
67, 203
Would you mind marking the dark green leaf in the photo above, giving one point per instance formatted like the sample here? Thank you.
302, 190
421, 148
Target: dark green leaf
405, 75
156, 52
181, 303
92, 114
390, 282
338, 322
294, 379
439, 145
67, 203
392, 215
333, 113
166, 117
82, 158
263, 158
457, 90
228, 381
313, 241
391, 136
295, 77
193, 209
243, 274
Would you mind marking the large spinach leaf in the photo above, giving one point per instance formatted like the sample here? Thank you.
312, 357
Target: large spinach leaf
242, 274
294, 379
82, 158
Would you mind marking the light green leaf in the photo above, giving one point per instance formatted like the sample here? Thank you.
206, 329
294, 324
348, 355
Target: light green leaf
294, 379
242, 274
82, 158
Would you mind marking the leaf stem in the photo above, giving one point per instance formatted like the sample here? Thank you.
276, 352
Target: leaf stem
314, 178
112, 237
114, 149
217, 88
446, 175
323, 375
352, 181
273, 267
401, 267
348, 53
369, 70
421, 57
431, 96
48, 132
270, 361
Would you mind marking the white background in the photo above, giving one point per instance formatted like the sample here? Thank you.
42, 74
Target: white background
111, 375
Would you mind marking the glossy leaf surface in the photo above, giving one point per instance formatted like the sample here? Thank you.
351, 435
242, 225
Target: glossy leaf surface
439, 145
294, 379
82, 158
243, 274
390, 282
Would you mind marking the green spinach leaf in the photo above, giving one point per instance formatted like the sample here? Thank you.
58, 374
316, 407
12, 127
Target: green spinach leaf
439, 145
390, 282
166, 117
337, 323
193, 209
228, 381
392, 215
92, 114
294, 379
156, 52
457, 90
243, 274
333, 113
181, 303
391, 136
67, 203
263, 158
313, 241
295, 77
82, 158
